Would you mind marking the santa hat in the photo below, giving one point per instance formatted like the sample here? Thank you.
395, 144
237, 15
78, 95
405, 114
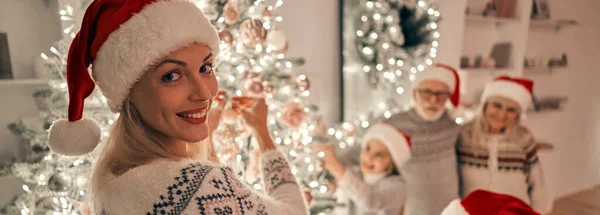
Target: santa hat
445, 74
517, 89
121, 40
481, 202
397, 142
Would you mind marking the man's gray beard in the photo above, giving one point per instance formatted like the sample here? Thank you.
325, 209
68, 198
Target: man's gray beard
430, 118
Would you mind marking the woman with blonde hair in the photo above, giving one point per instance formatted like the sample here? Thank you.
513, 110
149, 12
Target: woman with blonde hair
153, 61
496, 152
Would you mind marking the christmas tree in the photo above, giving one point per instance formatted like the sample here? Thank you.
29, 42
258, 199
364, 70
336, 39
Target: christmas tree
252, 62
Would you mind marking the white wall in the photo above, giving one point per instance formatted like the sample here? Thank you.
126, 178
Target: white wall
574, 164
312, 30
32, 27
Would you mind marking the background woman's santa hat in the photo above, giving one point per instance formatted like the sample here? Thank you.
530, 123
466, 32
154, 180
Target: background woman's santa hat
445, 74
481, 202
122, 40
517, 89
397, 142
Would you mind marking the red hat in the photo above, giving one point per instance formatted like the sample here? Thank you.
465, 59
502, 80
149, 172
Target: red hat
481, 202
517, 89
397, 142
445, 74
122, 39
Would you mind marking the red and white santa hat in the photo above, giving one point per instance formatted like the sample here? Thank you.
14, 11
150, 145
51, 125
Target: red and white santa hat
517, 89
397, 142
121, 40
446, 74
481, 202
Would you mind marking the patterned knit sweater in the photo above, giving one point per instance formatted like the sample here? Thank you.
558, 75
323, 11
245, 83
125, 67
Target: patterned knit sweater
431, 173
201, 187
503, 164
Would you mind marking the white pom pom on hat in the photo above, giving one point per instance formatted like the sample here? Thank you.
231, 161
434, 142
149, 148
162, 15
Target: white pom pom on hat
84, 132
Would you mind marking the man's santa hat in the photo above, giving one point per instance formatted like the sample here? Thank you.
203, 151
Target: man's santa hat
517, 89
445, 74
121, 40
481, 202
397, 142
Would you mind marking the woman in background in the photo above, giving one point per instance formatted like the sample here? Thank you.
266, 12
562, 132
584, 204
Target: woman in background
496, 152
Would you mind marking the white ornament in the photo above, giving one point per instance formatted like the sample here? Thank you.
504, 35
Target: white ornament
276, 40
256, 11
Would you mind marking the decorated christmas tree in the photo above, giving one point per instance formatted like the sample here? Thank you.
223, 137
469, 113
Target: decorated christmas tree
252, 62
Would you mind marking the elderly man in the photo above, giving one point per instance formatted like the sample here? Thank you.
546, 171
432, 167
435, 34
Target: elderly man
431, 173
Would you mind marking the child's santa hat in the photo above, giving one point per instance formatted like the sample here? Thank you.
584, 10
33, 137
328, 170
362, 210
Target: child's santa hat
517, 89
482, 202
397, 142
445, 74
121, 40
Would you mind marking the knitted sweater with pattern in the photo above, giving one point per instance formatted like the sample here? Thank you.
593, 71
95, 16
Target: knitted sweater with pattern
503, 164
201, 187
431, 174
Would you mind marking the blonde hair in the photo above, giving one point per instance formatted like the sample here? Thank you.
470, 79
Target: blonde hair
132, 143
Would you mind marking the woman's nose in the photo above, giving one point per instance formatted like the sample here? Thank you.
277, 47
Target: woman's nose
199, 90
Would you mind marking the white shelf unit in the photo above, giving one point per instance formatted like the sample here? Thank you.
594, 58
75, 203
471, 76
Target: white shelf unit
555, 24
490, 19
544, 70
493, 71
481, 33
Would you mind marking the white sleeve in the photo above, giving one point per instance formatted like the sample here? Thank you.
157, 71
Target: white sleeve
388, 193
217, 190
541, 200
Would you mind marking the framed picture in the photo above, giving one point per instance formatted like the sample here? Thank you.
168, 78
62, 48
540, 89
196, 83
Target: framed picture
5, 66
540, 10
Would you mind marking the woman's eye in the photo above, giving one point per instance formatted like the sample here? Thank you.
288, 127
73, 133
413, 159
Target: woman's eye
206, 68
497, 105
511, 110
171, 76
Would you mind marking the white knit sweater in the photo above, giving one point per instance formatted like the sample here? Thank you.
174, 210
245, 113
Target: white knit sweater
201, 187
503, 164
384, 197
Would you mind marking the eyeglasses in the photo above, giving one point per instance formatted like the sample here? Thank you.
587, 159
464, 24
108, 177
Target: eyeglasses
427, 94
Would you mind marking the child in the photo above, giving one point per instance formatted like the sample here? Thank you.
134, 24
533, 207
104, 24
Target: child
378, 188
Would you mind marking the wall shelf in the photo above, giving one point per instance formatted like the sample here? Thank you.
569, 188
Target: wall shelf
546, 70
556, 24
493, 71
490, 19
23, 82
